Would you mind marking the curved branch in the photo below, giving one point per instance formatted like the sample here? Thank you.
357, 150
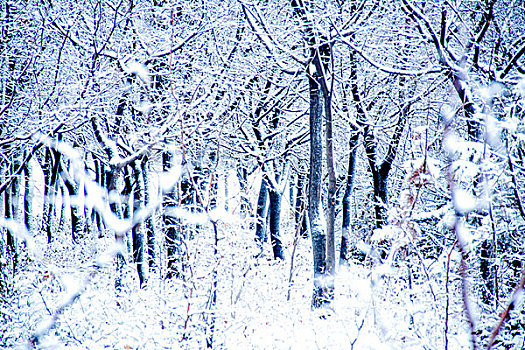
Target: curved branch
386, 69
513, 62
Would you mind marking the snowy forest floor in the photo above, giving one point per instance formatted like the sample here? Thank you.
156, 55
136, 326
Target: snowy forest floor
376, 306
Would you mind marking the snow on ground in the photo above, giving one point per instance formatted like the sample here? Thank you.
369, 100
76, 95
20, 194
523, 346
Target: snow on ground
374, 307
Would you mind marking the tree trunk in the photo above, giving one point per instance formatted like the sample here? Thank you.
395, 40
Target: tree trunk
274, 212
346, 228
331, 198
136, 232
99, 179
46, 169
262, 209
125, 196
50, 215
214, 185
89, 228
380, 183
12, 251
28, 197
380, 171
15, 191
323, 287
149, 224
170, 223
245, 206
77, 222
63, 191
114, 204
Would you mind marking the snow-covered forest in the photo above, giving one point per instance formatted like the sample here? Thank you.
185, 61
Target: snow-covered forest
262, 174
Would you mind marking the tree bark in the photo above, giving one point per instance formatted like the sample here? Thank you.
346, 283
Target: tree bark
125, 196
50, 215
170, 224
323, 286
149, 224
99, 179
346, 226
325, 52
28, 197
245, 206
111, 176
323, 243
261, 212
11, 243
77, 222
136, 232
274, 212
46, 169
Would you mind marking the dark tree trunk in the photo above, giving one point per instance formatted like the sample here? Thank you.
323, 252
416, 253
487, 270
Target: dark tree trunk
488, 292
28, 197
89, 228
111, 177
77, 222
125, 196
274, 212
380, 183
474, 128
114, 204
323, 291
46, 169
291, 186
171, 226
50, 215
323, 243
12, 251
245, 206
88, 222
346, 227
262, 209
380, 171
137, 234
352, 143
214, 185
63, 210
325, 52
149, 225
99, 179
15, 191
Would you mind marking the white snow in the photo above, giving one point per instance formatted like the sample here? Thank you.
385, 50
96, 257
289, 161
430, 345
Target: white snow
464, 201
